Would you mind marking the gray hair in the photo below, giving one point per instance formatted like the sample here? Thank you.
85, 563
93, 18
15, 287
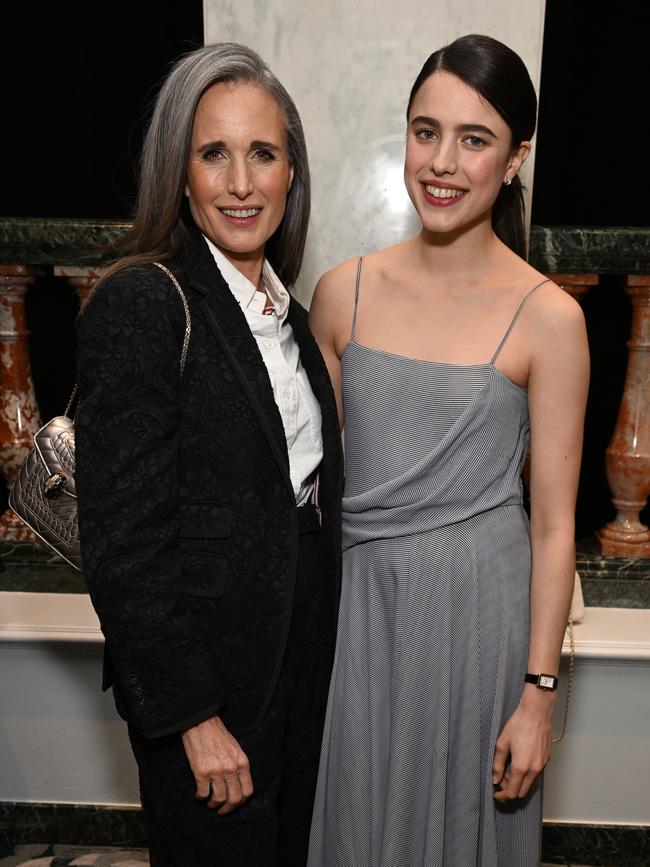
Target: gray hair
159, 231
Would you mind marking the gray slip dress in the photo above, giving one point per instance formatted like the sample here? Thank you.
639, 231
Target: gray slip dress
433, 634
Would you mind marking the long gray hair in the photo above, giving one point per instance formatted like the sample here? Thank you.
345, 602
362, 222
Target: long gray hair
159, 230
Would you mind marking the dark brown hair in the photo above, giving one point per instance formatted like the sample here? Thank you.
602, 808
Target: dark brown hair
500, 77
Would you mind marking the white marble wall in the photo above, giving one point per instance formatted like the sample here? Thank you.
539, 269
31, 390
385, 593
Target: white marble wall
350, 66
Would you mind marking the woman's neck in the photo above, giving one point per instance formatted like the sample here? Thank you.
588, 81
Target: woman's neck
465, 253
250, 266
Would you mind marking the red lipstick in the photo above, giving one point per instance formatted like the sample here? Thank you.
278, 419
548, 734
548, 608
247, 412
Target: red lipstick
438, 201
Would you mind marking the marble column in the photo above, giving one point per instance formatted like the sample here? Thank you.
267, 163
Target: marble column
350, 68
628, 454
82, 279
19, 418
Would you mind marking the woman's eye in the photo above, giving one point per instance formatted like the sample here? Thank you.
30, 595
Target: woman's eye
212, 155
474, 141
264, 155
425, 134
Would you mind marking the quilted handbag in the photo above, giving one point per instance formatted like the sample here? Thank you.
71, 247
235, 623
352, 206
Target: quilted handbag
43, 494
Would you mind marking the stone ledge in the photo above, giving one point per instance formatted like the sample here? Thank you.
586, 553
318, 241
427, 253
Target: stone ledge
607, 582
590, 249
50, 241
46, 617
562, 843
553, 249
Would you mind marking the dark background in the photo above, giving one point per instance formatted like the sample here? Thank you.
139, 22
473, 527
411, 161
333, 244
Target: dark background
80, 78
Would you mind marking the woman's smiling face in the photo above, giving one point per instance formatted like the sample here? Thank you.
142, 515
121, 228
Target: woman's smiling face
458, 153
239, 172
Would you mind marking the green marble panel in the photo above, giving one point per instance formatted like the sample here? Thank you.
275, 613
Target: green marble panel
590, 250
32, 568
553, 249
35, 241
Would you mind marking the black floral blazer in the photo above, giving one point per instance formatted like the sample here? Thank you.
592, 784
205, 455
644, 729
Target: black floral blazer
189, 527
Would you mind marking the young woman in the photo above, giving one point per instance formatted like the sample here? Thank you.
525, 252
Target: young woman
448, 352
209, 503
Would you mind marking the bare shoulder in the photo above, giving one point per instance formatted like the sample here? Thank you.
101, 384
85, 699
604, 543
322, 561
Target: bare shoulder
334, 293
332, 305
331, 313
338, 281
555, 332
554, 313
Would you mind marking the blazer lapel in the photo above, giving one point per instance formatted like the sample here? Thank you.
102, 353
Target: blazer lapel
232, 332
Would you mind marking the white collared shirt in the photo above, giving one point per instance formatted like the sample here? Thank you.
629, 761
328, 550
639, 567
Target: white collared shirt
299, 409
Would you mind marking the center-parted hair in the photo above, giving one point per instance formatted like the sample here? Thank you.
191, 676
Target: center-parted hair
500, 77
159, 226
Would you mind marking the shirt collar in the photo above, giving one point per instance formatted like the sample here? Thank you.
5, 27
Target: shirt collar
245, 292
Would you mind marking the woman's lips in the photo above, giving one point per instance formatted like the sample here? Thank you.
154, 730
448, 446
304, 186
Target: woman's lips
442, 197
241, 216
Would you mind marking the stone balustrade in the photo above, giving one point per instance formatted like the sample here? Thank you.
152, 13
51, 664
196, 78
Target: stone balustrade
576, 258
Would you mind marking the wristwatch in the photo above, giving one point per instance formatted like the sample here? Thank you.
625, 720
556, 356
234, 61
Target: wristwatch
547, 682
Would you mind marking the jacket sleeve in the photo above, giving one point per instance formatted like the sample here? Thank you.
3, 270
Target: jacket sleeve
127, 452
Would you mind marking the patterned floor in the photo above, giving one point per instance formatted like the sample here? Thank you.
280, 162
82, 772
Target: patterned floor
35, 855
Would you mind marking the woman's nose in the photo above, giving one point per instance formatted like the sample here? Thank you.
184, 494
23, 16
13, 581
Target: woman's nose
444, 157
240, 181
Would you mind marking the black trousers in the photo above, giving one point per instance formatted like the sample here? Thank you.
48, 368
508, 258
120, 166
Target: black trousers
272, 829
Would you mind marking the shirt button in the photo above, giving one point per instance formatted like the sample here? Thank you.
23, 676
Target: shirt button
268, 344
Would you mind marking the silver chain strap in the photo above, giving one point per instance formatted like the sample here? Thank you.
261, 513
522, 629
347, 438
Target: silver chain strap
569, 685
186, 308
186, 338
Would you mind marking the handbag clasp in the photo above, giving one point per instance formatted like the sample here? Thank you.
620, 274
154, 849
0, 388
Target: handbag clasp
55, 485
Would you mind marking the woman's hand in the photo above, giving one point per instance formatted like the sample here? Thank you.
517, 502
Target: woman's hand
524, 745
220, 766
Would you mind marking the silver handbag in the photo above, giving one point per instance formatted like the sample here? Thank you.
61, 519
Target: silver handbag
43, 494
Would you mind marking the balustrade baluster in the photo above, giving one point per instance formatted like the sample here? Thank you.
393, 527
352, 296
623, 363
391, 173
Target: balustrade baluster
628, 454
19, 416
83, 280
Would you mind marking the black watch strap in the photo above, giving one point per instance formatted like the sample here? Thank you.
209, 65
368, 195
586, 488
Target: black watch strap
547, 682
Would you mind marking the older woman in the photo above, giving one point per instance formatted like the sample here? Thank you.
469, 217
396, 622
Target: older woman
208, 501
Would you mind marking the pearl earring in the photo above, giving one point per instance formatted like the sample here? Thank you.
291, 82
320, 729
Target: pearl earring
508, 180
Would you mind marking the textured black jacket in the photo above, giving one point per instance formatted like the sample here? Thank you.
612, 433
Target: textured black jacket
187, 515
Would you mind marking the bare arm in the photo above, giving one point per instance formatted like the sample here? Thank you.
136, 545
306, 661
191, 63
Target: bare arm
330, 319
557, 394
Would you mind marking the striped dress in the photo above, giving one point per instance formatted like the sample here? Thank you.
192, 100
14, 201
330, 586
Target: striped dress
433, 631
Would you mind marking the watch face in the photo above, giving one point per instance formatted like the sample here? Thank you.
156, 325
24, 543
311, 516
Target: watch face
546, 681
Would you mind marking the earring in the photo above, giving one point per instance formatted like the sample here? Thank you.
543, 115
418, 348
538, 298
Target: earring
508, 181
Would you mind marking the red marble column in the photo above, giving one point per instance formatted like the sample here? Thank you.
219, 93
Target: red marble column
628, 454
83, 280
19, 418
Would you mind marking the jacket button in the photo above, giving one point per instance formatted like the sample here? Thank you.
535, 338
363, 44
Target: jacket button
132, 678
140, 702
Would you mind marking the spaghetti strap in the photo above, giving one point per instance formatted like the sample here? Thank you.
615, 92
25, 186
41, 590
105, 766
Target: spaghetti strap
356, 298
514, 319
